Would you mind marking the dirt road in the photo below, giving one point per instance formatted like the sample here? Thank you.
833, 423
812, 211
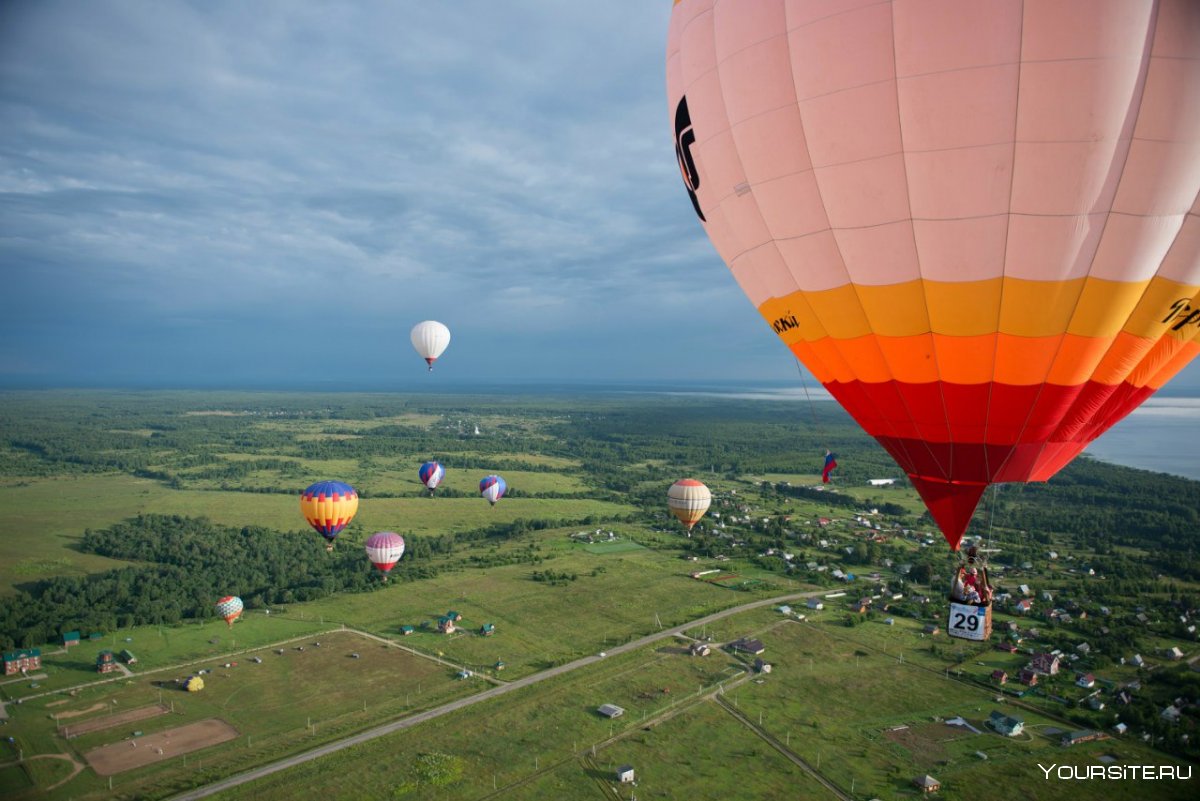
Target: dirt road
462, 703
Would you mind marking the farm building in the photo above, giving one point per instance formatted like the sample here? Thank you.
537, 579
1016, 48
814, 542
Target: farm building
105, 663
611, 710
487, 629
407, 630
813, 603
752, 647
127, 657
1000, 676
1082, 736
71, 638
699, 649
625, 774
22, 660
1028, 677
927, 784
1006, 724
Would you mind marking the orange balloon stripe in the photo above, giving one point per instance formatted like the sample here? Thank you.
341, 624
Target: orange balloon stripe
1085, 307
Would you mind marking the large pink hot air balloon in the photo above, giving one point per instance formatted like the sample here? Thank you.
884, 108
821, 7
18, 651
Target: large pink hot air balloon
976, 223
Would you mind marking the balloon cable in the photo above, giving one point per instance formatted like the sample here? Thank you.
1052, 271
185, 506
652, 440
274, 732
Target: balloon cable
812, 409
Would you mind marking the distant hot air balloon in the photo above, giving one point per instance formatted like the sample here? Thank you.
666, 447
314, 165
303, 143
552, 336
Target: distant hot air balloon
329, 506
492, 488
230, 609
384, 550
431, 474
977, 224
689, 500
430, 338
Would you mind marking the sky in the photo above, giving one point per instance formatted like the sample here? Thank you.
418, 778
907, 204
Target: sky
273, 194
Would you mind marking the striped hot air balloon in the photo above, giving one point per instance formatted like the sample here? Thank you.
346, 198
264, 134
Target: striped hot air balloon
384, 550
431, 474
229, 609
492, 488
329, 506
976, 223
688, 500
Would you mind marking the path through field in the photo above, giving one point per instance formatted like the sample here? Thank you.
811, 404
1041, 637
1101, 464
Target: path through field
462, 703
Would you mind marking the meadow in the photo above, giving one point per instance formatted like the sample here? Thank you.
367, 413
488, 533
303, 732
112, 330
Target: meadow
856, 701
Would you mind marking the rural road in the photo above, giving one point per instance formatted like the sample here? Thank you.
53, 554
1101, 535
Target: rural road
462, 703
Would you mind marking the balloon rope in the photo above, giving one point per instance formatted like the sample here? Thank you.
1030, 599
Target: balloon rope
811, 408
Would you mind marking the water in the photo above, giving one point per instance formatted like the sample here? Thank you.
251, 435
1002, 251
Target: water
1162, 435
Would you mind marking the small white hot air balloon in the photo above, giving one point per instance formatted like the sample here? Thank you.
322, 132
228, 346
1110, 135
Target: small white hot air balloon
430, 338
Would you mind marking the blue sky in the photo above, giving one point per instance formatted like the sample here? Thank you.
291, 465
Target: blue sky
248, 194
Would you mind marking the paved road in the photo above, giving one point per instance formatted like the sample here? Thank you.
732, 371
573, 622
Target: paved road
462, 703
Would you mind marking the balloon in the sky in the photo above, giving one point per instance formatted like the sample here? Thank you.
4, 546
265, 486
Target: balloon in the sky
688, 500
384, 550
492, 488
431, 474
229, 609
430, 338
329, 506
977, 224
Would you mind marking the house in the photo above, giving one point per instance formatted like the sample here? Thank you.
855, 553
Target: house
1024, 606
1170, 714
1081, 736
1083, 648
127, 657
446, 622
813, 603
699, 649
761, 666
931, 630
1028, 677
22, 660
625, 774
1006, 724
611, 711
1007, 647
1086, 681
927, 784
1046, 663
752, 647
487, 629
891, 621
1000, 676
1024, 588
1137, 660
105, 663
407, 630
71, 638
785, 610
1120, 728
1095, 704
1174, 653
862, 606
1046, 596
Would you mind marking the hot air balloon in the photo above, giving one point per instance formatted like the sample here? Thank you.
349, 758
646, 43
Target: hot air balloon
430, 338
431, 474
384, 550
689, 500
230, 609
492, 488
977, 224
329, 506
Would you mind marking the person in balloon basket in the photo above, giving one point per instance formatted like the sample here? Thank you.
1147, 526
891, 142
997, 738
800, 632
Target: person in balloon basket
970, 587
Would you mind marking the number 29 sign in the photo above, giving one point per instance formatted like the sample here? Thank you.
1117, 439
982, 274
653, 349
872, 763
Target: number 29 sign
968, 621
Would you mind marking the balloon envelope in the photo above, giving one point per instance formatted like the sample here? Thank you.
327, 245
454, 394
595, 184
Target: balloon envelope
385, 549
230, 609
492, 488
977, 224
329, 506
430, 338
431, 474
688, 500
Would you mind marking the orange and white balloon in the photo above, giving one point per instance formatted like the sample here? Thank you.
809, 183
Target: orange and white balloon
688, 500
976, 223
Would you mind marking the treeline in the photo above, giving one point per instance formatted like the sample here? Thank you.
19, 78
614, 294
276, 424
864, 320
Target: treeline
188, 563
